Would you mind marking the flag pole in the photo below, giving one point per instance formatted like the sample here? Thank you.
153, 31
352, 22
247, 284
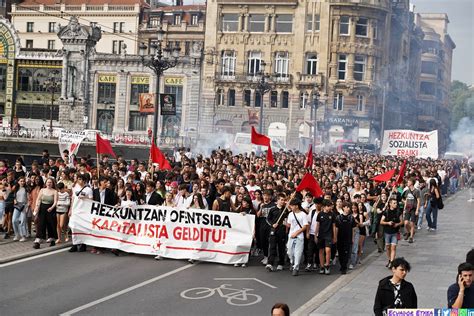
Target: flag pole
98, 166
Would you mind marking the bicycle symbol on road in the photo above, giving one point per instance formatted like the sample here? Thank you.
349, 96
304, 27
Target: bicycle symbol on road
236, 297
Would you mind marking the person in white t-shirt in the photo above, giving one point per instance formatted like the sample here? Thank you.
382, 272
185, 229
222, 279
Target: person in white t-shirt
252, 187
79, 191
297, 224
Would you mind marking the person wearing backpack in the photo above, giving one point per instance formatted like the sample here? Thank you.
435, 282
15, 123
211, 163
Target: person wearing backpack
312, 253
431, 206
345, 225
411, 197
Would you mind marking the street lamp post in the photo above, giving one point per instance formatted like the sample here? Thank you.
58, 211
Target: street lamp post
315, 114
52, 84
262, 87
159, 60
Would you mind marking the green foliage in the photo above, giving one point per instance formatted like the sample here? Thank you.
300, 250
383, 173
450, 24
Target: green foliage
462, 102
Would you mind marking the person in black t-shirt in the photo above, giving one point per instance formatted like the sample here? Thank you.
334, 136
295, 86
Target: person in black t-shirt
277, 238
345, 225
325, 235
263, 227
461, 294
391, 220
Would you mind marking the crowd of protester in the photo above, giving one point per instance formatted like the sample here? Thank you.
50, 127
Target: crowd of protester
35, 201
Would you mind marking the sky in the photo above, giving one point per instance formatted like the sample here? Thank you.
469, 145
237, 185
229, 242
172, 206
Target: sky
460, 28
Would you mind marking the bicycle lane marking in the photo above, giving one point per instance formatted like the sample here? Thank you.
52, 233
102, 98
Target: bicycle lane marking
127, 290
240, 296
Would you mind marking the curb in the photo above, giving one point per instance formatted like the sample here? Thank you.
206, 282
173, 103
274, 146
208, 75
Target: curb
320, 298
35, 253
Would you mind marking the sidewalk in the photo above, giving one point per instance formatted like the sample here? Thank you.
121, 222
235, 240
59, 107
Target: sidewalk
434, 258
14, 250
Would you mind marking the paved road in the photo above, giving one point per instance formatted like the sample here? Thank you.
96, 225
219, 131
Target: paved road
61, 282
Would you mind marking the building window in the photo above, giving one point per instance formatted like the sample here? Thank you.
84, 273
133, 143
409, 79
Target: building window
247, 97
117, 47
360, 103
137, 121
119, 27
228, 63
154, 22
177, 19
106, 93
254, 63
281, 64
427, 88
230, 22
284, 23
29, 44
231, 97
51, 44
256, 23
274, 99
342, 67
361, 27
312, 64
135, 90
194, 19
344, 26
24, 80
338, 103
52, 27
359, 67
3, 77
220, 97
38, 112
429, 67
284, 99
303, 100
312, 23
258, 99
375, 29
187, 48
30, 27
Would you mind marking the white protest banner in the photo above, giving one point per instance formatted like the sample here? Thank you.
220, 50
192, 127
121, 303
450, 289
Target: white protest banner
70, 140
410, 143
165, 231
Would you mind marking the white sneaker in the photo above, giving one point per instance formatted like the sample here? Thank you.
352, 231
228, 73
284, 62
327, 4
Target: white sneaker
23, 239
308, 267
264, 261
236, 265
244, 265
38, 241
419, 227
191, 261
269, 267
158, 257
49, 240
279, 267
16, 238
351, 267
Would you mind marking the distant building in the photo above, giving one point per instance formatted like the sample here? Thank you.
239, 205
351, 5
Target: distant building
37, 22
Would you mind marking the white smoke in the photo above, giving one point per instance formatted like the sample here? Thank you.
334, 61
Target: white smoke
220, 140
462, 139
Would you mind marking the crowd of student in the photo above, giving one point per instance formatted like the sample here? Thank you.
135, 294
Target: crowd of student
35, 201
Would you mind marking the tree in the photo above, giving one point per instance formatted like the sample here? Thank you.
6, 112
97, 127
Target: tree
461, 102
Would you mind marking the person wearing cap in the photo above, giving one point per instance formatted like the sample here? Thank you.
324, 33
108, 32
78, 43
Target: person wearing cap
297, 224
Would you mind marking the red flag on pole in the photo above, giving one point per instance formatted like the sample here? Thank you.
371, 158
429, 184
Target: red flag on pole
270, 160
384, 177
310, 184
309, 157
102, 146
158, 157
401, 174
259, 139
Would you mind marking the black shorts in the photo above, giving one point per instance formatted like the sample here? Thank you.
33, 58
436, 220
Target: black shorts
9, 208
324, 243
410, 215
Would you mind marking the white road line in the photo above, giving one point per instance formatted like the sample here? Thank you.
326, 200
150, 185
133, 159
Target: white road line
124, 291
33, 258
241, 279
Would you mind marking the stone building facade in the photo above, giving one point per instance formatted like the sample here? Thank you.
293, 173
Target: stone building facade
37, 22
363, 58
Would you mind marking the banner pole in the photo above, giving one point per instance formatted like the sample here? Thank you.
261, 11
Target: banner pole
98, 166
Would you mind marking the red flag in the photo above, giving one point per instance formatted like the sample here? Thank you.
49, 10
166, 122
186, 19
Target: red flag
384, 177
309, 157
102, 146
270, 160
158, 157
401, 174
259, 139
310, 184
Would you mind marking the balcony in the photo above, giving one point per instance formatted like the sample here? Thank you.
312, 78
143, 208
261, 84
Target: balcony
275, 79
305, 80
